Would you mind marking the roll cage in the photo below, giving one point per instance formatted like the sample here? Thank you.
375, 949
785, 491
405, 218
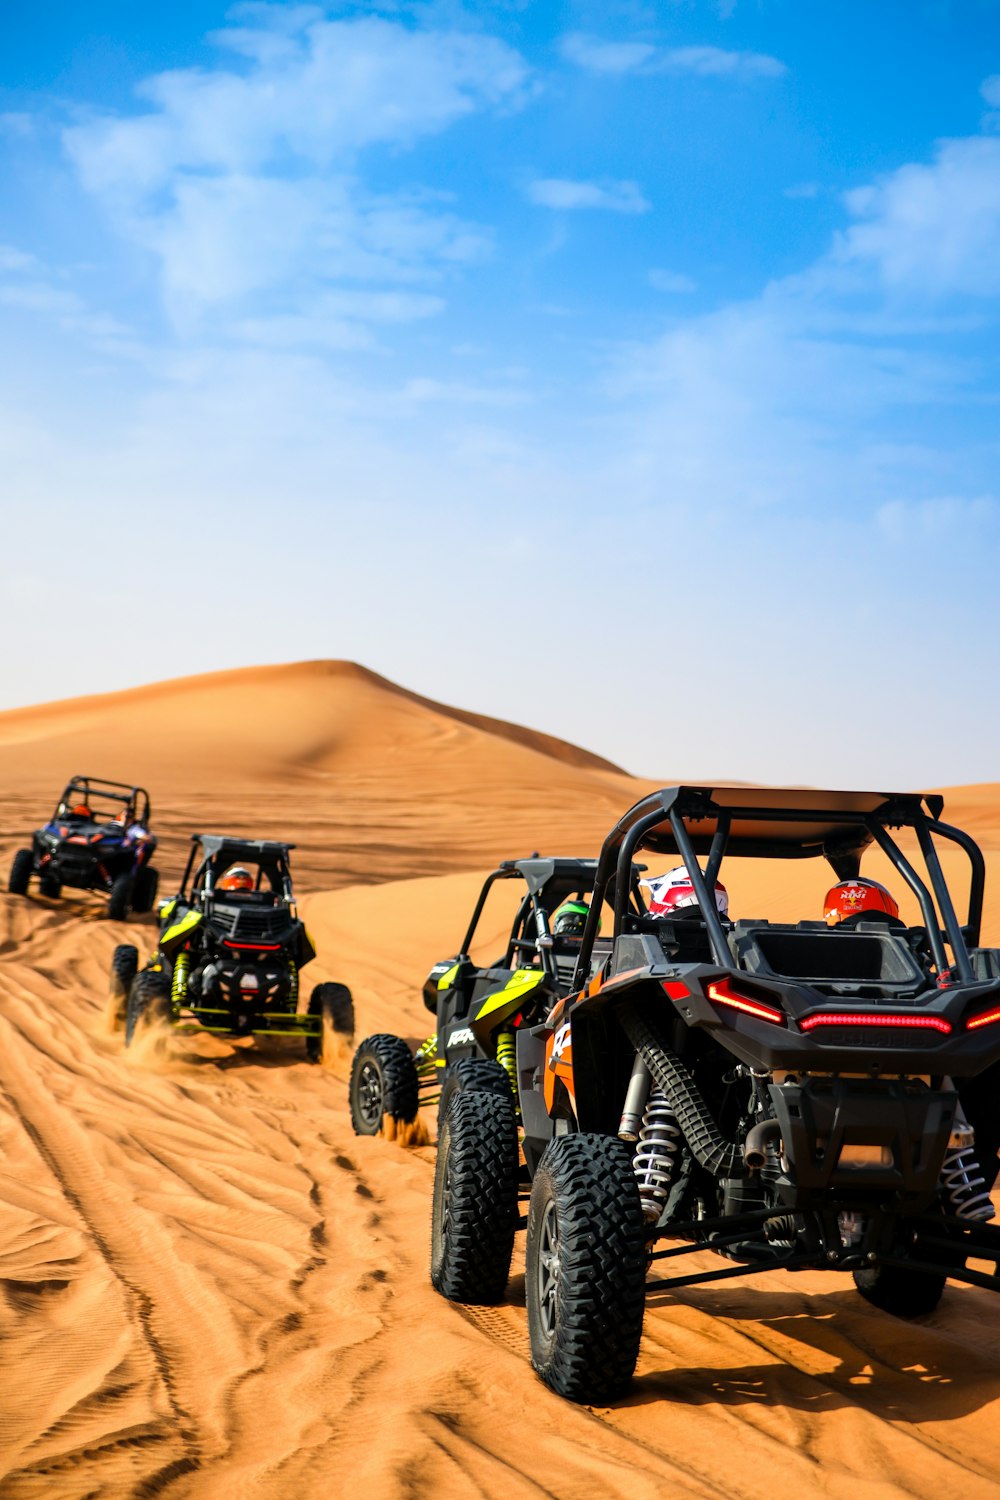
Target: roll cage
211, 854
771, 823
548, 883
134, 799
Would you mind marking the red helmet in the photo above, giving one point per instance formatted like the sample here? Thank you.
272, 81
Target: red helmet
667, 893
81, 810
236, 878
851, 897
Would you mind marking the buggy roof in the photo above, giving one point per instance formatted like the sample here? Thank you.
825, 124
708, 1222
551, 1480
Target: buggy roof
101, 784
771, 822
221, 843
538, 872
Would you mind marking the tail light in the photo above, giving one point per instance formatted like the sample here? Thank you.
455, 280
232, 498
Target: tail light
736, 997
984, 1018
875, 1018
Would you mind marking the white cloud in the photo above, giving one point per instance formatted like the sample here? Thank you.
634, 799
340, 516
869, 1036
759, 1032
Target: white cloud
671, 281
12, 259
242, 182
932, 229
566, 193
941, 519
618, 58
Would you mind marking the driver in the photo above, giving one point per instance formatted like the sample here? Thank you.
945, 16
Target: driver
236, 878
854, 898
570, 920
671, 892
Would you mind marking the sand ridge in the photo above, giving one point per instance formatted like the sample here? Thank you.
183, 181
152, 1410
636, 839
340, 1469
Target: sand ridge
209, 1287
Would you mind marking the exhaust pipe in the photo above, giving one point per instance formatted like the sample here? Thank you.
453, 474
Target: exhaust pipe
764, 1134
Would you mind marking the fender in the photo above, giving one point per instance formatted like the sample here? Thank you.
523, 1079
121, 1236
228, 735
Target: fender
501, 1005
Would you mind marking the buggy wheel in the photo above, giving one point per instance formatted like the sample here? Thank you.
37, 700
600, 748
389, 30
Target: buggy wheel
480, 1074
383, 1083
144, 888
474, 1212
900, 1291
120, 898
124, 963
148, 1002
21, 872
585, 1268
49, 886
334, 1004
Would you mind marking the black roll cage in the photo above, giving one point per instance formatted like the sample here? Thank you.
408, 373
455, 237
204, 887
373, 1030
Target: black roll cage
217, 849
836, 825
135, 798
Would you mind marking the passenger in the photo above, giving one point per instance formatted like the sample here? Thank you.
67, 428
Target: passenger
670, 893
570, 920
858, 898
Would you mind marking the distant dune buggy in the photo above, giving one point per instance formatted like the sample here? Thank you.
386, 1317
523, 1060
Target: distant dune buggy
230, 953
793, 1096
97, 839
478, 1011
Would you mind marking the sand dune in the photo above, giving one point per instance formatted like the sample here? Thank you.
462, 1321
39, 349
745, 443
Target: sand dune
209, 1287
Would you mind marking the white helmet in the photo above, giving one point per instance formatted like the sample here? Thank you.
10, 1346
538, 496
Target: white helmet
668, 893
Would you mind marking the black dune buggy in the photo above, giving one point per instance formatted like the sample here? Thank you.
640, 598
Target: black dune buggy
478, 1011
230, 952
97, 839
792, 1095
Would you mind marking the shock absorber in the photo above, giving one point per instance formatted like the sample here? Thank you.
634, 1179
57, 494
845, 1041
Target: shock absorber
426, 1054
179, 981
507, 1056
656, 1155
293, 986
963, 1185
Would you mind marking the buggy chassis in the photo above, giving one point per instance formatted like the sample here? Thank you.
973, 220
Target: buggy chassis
792, 1096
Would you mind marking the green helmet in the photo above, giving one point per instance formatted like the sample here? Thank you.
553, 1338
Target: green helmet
570, 919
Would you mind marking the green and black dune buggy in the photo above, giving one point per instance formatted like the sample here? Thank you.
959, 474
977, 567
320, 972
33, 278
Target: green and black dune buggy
479, 1010
230, 952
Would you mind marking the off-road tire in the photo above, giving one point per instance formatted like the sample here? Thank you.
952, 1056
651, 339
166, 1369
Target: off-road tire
480, 1074
474, 1209
124, 963
145, 885
148, 1001
21, 872
899, 1290
384, 1083
334, 1004
120, 899
585, 1268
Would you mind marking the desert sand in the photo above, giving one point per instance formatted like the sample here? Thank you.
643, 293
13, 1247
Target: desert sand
209, 1287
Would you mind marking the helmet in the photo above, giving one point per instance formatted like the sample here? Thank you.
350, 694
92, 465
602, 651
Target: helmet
81, 810
668, 893
570, 920
236, 878
852, 897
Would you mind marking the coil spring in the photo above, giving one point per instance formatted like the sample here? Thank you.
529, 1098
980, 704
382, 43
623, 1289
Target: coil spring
965, 1188
655, 1159
179, 981
426, 1053
507, 1057
293, 986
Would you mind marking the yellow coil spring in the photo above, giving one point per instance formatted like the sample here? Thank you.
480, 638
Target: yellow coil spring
425, 1054
507, 1057
179, 982
293, 986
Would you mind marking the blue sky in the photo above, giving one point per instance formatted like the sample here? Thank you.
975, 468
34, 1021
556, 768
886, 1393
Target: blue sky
629, 371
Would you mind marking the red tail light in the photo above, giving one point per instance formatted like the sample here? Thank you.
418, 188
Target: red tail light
875, 1018
257, 947
724, 992
985, 1018
675, 989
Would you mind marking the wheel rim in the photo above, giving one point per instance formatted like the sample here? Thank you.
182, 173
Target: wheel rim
370, 1093
548, 1270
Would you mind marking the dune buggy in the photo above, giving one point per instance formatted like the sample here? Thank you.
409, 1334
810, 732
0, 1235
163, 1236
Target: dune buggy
97, 839
792, 1095
230, 952
478, 1010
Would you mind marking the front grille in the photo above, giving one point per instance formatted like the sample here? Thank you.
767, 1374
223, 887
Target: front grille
252, 924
